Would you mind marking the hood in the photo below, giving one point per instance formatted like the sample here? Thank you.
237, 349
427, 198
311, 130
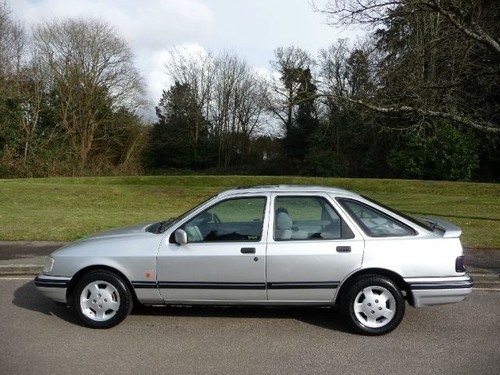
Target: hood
113, 235
121, 232
120, 241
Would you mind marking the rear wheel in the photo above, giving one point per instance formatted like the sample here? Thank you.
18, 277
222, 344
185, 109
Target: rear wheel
101, 299
373, 305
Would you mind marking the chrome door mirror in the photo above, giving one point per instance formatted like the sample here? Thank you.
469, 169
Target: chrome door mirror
181, 237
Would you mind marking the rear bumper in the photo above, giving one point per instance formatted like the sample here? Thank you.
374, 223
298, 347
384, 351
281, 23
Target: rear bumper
439, 291
53, 287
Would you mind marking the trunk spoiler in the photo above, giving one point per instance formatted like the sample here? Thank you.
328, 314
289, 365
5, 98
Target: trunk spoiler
445, 228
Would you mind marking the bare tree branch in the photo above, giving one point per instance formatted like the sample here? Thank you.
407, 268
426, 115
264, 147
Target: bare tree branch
460, 118
375, 12
474, 30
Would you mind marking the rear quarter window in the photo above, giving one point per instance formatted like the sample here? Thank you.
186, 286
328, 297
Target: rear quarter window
373, 222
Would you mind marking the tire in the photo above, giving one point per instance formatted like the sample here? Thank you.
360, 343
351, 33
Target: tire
101, 299
373, 305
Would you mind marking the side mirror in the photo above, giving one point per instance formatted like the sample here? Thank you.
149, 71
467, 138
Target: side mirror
181, 237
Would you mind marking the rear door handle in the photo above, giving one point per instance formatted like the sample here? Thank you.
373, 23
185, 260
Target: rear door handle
343, 249
248, 250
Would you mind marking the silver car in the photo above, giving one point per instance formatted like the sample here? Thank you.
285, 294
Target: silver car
271, 246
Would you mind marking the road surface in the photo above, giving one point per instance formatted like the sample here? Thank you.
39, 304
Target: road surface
38, 337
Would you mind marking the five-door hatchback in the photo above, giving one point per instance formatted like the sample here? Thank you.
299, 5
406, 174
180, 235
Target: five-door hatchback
268, 245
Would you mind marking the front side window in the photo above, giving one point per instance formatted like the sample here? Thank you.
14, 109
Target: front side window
374, 222
307, 218
236, 220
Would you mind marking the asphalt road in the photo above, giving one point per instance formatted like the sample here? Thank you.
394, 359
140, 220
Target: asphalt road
38, 337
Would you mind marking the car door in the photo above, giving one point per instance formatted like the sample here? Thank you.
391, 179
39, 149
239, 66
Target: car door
311, 249
224, 257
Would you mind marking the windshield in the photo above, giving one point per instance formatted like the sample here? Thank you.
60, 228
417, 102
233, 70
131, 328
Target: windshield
162, 226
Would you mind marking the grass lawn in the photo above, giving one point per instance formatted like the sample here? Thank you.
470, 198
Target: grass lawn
65, 209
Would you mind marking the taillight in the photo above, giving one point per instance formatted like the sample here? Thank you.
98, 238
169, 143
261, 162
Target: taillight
460, 264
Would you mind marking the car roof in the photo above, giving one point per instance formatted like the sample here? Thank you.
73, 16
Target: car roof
289, 189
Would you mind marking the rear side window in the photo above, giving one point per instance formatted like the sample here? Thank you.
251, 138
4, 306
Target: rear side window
307, 218
374, 222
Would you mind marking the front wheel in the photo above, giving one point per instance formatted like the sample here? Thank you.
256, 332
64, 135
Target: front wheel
373, 305
102, 300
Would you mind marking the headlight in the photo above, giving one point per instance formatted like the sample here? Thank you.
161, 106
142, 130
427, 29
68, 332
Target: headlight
49, 263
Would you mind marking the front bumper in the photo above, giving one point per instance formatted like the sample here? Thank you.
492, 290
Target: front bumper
439, 291
53, 287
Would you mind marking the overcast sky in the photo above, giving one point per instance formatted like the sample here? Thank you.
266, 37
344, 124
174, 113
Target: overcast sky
250, 28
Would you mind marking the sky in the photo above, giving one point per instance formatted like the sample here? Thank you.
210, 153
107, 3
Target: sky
250, 28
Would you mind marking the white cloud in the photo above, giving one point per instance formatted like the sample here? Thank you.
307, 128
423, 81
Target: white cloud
146, 25
169, 22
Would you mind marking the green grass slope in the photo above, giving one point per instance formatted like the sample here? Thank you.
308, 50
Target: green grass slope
65, 209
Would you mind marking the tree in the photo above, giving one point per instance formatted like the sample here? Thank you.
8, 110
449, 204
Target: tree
91, 74
445, 153
198, 71
422, 37
11, 93
305, 121
292, 100
347, 141
119, 144
12, 44
462, 14
179, 139
227, 93
290, 63
236, 108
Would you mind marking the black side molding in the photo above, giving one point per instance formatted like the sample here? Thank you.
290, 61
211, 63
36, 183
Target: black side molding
51, 283
442, 285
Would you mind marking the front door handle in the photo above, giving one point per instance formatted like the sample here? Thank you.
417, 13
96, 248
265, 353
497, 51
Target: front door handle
248, 250
343, 249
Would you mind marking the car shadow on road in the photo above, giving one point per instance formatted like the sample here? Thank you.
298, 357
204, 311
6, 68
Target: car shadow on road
27, 297
323, 317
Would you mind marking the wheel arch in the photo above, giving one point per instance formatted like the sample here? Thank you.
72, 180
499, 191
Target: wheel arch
394, 276
77, 277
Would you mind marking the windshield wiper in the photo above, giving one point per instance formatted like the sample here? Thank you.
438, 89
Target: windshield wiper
163, 225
